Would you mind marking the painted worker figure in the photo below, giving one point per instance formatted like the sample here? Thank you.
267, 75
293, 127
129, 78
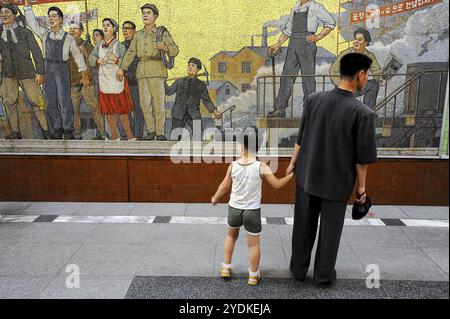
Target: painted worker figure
301, 29
57, 45
78, 91
362, 39
151, 72
17, 44
138, 120
190, 91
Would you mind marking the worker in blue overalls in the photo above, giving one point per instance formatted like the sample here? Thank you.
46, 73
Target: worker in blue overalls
301, 29
57, 45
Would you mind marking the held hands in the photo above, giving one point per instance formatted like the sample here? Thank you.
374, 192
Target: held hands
162, 46
290, 169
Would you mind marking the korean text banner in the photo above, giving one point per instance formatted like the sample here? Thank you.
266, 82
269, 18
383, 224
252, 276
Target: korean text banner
21, 2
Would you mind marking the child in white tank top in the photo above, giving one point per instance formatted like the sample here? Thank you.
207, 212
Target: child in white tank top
244, 179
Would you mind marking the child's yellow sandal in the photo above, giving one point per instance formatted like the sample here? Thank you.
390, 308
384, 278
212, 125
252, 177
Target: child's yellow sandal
254, 280
226, 272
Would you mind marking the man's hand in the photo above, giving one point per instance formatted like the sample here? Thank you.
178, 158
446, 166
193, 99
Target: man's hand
214, 201
102, 61
274, 49
162, 46
85, 79
120, 74
361, 196
40, 79
313, 38
217, 115
290, 169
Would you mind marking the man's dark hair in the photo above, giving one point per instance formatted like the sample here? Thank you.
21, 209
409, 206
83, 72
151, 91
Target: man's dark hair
251, 141
99, 31
133, 25
353, 63
58, 10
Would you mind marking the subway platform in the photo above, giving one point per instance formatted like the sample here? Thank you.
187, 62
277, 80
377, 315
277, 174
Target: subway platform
161, 250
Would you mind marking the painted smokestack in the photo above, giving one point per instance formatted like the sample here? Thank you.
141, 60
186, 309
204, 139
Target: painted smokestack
264, 37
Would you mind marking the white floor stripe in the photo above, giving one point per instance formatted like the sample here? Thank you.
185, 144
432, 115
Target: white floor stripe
425, 223
80, 219
194, 220
205, 220
18, 218
363, 222
129, 219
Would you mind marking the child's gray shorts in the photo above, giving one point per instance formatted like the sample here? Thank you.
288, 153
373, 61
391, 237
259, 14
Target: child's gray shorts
250, 219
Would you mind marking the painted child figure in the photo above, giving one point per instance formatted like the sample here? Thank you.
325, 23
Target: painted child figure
244, 178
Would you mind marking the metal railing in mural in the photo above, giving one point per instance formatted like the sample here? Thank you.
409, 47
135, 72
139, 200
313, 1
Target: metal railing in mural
410, 107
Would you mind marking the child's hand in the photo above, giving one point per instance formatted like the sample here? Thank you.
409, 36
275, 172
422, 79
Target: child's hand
214, 201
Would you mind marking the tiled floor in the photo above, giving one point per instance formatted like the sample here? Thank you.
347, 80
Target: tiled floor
142, 250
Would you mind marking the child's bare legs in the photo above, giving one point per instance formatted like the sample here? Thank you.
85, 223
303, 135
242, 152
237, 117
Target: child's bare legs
254, 252
230, 241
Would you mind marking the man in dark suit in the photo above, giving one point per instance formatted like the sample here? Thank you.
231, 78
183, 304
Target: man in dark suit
190, 91
336, 142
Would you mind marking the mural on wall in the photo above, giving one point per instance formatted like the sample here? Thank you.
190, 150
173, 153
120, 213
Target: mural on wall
135, 71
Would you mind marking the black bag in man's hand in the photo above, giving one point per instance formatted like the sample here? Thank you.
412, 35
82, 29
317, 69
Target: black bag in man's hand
360, 211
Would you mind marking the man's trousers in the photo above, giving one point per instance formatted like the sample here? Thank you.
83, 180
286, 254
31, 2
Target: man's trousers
308, 208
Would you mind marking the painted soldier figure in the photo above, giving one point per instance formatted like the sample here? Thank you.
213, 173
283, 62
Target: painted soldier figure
151, 45
57, 45
190, 91
17, 44
301, 28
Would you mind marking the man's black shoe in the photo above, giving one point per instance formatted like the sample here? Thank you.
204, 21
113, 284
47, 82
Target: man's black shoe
68, 135
58, 134
150, 137
280, 113
161, 138
47, 135
14, 136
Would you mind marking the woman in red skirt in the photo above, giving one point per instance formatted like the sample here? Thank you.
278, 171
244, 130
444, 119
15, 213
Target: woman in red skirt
114, 97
